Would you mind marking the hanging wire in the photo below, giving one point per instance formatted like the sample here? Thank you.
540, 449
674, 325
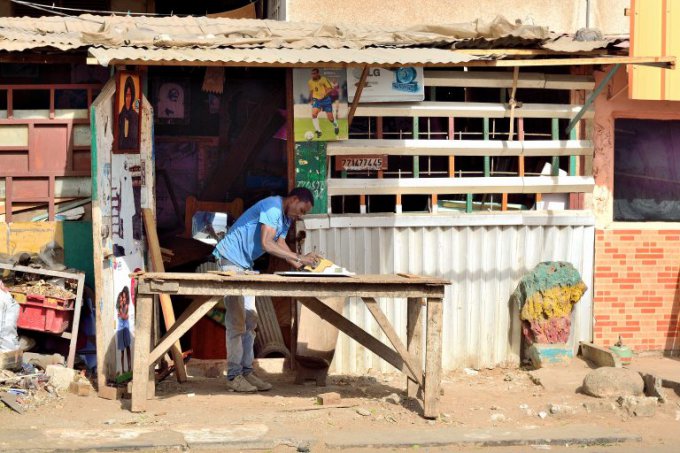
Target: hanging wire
56, 10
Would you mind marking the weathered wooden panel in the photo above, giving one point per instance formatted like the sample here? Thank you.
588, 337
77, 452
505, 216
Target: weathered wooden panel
50, 146
81, 135
14, 160
28, 237
29, 188
13, 135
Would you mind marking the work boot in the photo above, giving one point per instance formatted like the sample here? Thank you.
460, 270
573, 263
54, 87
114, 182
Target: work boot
241, 385
257, 382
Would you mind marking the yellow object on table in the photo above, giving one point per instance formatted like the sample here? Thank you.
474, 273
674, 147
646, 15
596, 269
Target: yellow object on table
321, 266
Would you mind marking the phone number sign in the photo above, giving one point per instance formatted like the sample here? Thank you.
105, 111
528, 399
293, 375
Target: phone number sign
354, 163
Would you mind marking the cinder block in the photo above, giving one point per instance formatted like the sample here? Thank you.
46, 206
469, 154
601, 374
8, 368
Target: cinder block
326, 399
60, 377
544, 355
80, 388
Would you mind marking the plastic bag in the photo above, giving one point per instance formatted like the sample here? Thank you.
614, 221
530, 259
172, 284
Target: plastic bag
9, 313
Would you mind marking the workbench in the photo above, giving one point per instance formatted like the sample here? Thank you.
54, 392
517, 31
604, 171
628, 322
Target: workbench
209, 289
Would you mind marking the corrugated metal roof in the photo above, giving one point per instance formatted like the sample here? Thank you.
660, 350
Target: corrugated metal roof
381, 56
252, 41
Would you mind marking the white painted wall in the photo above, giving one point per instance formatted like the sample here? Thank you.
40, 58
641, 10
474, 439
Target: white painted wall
558, 15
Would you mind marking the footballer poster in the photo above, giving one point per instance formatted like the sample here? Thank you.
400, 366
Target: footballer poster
320, 103
402, 84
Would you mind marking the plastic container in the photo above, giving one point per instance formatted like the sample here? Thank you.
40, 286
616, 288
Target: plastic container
37, 314
624, 353
9, 311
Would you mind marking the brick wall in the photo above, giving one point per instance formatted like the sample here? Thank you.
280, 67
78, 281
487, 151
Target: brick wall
637, 288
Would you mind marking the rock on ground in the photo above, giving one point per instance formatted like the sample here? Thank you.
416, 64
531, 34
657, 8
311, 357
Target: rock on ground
644, 406
613, 382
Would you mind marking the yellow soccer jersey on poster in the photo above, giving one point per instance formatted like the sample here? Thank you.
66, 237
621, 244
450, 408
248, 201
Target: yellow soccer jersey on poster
320, 87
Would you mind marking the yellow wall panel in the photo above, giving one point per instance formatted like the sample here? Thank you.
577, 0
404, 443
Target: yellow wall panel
647, 41
29, 236
673, 48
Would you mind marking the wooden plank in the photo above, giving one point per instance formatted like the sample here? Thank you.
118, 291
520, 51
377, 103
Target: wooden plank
657, 61
569, 82
357, 96
353, 282
478, 79
587, 61
433, 358
286, 289
356, 333
469, 110
414, 339
165, 300
477, 185
8, 198
384, 323
195, 311
76, 321
363, 147
142, 365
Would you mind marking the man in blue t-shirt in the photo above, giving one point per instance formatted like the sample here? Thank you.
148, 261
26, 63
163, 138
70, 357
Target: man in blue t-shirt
261, 229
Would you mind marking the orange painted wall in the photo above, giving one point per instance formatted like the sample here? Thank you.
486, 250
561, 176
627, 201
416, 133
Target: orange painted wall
637, 266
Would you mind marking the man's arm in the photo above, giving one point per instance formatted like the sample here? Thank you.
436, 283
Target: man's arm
281, 250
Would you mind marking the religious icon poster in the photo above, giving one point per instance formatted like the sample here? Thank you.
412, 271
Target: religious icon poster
128, 111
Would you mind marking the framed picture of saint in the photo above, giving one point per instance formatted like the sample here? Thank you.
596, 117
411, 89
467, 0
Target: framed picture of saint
128, 113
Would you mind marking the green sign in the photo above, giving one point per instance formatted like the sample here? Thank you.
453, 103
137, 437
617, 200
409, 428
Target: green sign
310, 172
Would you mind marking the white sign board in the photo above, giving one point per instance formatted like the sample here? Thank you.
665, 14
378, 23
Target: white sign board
387, 84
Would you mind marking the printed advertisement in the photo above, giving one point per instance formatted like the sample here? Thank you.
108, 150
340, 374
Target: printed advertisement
388, 84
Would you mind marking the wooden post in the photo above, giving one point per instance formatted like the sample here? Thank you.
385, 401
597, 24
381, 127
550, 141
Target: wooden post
373, 306
414, 338
141, 366
433, 358
357, 97
555, 171
10, 104
166, 302
290, 131
8, 199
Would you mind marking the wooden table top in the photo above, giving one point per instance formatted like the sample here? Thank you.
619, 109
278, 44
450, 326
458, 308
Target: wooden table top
215, 277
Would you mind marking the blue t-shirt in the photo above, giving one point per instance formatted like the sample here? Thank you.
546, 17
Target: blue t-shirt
243, 244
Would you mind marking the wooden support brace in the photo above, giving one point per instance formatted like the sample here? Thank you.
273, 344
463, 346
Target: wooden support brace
166, 302
413, 365
359, 335
414, 338
195, 311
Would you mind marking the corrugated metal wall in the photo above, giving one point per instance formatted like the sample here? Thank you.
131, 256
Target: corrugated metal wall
483, 255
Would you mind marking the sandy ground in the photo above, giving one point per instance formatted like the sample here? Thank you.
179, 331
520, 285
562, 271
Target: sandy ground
507, 398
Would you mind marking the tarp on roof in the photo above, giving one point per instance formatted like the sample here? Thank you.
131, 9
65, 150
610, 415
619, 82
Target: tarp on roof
152, 32
286, 57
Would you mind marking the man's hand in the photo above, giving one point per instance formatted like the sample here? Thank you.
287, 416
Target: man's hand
310, 259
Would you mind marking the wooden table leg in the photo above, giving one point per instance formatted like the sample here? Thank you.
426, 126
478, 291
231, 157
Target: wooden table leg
433, 358
141, 366
414, 339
